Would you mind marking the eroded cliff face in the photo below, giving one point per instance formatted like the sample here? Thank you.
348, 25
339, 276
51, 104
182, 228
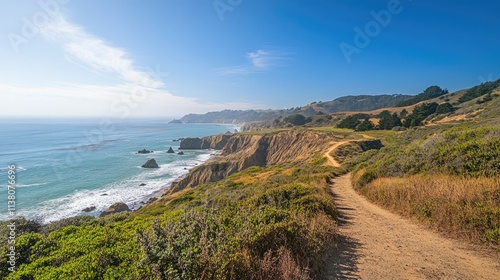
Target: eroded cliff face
239, 152
216, 142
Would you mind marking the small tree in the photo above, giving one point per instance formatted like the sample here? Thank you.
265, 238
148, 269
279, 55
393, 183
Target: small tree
388, 121
366, 124
444, 108
403, 114
420, 113
296, 119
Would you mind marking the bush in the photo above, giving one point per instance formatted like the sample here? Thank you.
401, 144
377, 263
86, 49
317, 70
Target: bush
296, 119
420, 113
429, 93
365, 125
352, 121
388, 121
480, 90
444, 108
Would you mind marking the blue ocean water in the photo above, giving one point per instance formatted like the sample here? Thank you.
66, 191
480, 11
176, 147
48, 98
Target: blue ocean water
66, 166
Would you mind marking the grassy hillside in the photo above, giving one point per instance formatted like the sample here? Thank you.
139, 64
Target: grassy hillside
445, 174
278, 221
263, 223
429, 93
342, 104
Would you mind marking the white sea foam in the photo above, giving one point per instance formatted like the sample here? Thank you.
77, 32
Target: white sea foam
30, 185
127, 191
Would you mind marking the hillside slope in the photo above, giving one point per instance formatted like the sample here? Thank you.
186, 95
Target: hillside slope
444, 174
265, 222
241, 151
342, 104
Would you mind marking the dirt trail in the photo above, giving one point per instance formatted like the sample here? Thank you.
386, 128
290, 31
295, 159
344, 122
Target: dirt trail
332, 161
376, 244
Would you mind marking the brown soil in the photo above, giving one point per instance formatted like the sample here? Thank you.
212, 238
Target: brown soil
377, 244
331, 160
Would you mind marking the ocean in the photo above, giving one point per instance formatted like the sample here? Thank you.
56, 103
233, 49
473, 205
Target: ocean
66, 166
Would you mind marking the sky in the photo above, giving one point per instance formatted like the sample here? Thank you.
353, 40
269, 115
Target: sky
124, 58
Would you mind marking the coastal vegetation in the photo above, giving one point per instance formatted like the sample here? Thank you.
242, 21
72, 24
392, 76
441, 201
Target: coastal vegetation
263, 210
429, 93
480, 90
445, 176
275, 222
341, 104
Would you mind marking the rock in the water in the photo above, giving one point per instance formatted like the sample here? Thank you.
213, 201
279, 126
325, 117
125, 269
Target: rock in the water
151, 163
88, 209
115, 208
104, 194
142, 185
144, 151
180, 153
170, 151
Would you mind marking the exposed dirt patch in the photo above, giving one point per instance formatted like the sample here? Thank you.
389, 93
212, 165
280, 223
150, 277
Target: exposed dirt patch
332, 161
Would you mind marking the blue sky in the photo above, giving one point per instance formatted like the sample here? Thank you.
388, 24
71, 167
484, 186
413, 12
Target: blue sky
124, 58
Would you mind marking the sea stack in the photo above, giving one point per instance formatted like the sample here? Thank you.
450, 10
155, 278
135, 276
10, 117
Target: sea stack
180, 153
151, 163
170, 151
144, 151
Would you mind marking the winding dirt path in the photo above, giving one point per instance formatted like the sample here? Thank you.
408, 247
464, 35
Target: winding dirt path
376, 244
332, 161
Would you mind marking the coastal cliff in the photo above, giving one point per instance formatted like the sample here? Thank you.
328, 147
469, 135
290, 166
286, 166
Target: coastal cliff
216, 142
240, 151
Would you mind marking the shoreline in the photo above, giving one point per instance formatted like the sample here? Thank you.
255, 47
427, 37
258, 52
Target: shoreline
105, 175
133, 206
160, 192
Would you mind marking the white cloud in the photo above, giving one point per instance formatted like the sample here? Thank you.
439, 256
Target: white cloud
96, 53
260, 60
141, 93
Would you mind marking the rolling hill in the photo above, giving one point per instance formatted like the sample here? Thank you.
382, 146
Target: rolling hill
342, 104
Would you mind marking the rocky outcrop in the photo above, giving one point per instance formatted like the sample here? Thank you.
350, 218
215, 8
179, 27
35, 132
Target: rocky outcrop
151, 163
181, 153
115, 208
242, 151
144, 151
216, 142
89, 209
170, 151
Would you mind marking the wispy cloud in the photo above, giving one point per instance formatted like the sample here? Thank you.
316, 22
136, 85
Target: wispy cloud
258, 61
96, 53
139, 93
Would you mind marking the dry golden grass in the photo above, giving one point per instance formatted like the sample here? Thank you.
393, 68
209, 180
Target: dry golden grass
460, 117
463, 207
